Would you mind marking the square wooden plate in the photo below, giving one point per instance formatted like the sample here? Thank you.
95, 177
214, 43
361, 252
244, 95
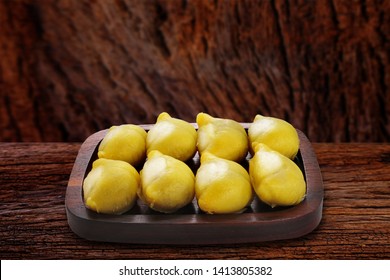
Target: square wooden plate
189, 225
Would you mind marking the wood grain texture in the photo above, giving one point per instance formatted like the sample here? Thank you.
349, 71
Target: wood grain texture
355, 223
69, 68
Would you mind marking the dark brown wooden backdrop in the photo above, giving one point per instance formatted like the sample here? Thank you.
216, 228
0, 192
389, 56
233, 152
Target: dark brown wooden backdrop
69, 68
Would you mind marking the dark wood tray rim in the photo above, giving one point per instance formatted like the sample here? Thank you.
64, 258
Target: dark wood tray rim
186, 228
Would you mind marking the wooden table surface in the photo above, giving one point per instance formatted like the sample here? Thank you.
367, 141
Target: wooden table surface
355, 223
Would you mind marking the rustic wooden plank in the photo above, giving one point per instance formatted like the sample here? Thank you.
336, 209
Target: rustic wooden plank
355, 224
69, 68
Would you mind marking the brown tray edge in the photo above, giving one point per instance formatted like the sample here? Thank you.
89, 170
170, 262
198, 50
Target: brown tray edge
194, 228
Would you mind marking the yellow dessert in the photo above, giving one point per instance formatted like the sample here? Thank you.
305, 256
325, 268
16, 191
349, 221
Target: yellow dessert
276, 179
277, 134
222, 186
224, 138
167, 184
173, 137
125, 142
111, 186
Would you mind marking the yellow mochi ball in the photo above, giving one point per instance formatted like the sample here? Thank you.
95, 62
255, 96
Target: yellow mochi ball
276, 133
125, 142
167, 184
276, 179
222, 186
172, 137
111, 186
223, 138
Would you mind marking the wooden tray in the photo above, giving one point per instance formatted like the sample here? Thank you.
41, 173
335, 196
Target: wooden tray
189, 225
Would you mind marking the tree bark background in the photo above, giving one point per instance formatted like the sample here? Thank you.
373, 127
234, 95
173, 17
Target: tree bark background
69, 68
